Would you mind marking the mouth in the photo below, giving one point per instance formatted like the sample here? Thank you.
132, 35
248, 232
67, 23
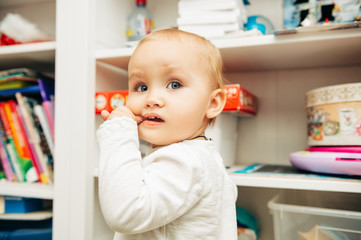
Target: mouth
152, 118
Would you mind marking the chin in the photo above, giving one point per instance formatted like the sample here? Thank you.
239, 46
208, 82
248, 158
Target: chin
156, 142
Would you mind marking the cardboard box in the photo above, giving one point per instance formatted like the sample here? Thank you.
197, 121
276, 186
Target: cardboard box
110, 100
240, 100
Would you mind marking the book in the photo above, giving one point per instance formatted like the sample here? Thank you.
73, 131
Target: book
187, 7
39, 111
211, 30
45, 158
13, 84
274, 170
218, 17
10, 147
47, 91
33, 137
22, 204
17, 78
9, 93
9, 171
5, 157
20, 141
2, 173
18, 72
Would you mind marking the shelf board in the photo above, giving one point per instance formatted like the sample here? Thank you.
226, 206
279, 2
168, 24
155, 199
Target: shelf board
31, 190
12, 3
269, 52
298, 183
284, 182
31, 216
32, 55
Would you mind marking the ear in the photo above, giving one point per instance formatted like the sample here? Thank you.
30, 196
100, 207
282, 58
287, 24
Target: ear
216, 104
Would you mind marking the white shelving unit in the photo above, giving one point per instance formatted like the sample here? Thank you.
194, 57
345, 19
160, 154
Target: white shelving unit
89, 56
279, 70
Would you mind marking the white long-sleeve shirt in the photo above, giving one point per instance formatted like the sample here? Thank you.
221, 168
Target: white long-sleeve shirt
180, 191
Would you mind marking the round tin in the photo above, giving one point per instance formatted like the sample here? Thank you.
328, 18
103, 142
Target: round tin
334, 115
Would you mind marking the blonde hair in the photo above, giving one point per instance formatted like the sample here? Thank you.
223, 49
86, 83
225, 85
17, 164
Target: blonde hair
205, 48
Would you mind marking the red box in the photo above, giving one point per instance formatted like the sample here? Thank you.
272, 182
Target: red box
110, 100
240, 100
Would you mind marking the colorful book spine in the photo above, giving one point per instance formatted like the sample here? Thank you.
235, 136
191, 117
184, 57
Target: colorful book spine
5, 158
10, 147
47, 92
48, 107
26, 126
21, 142
5, 161
39, 111
43, 149
33, 137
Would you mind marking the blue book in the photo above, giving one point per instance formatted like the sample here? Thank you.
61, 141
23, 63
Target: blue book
22, 205
27, 234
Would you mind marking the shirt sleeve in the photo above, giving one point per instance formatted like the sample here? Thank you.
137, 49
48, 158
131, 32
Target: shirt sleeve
136, 198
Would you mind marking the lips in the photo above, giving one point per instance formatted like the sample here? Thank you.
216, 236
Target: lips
155, 119
152, 119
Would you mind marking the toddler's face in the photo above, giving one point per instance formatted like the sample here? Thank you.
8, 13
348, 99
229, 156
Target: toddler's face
169, 87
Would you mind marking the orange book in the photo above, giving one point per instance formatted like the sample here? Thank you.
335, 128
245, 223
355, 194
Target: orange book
20, 140
10, 146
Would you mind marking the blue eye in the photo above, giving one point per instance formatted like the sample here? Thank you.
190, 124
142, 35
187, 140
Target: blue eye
174, 85
142, 88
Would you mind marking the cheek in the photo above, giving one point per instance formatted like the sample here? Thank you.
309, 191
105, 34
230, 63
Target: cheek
192, 113
134, 104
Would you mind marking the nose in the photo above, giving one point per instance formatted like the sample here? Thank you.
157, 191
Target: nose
154, 99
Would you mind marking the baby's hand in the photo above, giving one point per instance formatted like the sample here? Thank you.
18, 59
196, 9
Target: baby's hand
119, 112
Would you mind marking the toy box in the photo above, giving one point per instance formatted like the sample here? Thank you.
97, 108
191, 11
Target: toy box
109, 100
240, 100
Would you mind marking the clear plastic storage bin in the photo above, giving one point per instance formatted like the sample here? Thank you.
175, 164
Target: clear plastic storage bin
320, 216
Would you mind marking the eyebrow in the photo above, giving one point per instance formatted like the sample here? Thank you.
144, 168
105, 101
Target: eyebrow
136, 73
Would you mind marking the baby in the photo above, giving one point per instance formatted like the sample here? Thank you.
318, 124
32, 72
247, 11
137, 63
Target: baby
181, 189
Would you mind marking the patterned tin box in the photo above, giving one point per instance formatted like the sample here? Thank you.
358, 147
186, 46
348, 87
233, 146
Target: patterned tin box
334, 115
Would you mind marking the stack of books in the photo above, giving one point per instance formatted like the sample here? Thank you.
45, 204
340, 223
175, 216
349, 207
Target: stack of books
211, 18
26, 126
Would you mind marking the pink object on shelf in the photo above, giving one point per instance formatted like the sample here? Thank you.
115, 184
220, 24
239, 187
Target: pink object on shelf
343, 149
328, 162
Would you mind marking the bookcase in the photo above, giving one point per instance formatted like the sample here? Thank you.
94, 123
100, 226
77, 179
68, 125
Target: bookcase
279, 70
89, 55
